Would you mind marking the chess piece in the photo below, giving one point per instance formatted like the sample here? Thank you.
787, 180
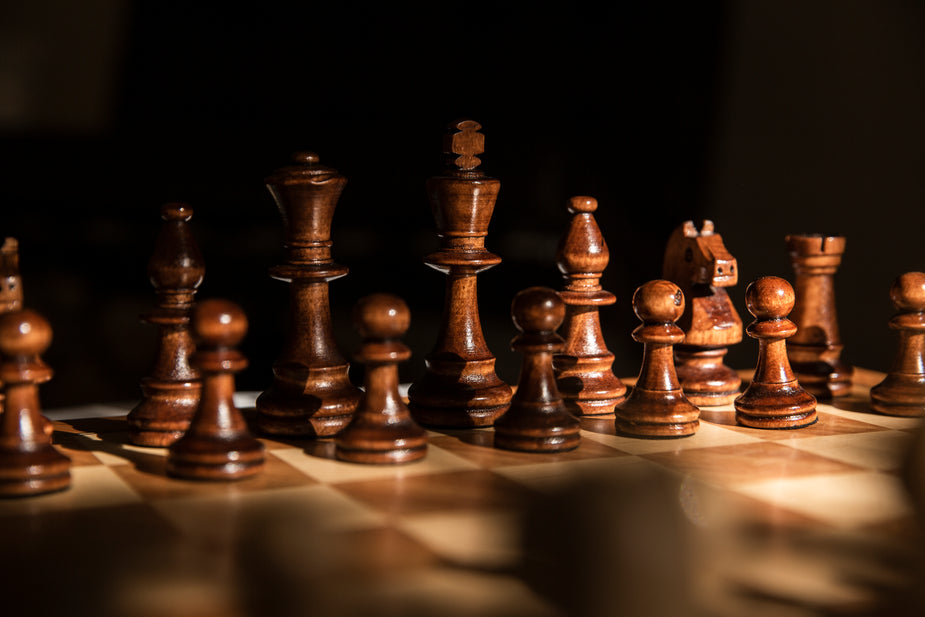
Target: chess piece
29, 463
774, 399
656, 406
217, 445
902, 391
815, 350
311, 394
583, 370
537, 420
11, 297
382, 429
170, 392
459, 387
698, 263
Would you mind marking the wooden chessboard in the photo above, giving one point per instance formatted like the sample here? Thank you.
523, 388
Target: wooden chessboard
730, 521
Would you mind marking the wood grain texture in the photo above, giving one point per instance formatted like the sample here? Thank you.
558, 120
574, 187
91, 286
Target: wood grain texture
311, 394
698, 262
382, 430
815, 351
584, 373
459, 387
774, 399
656, 406
902, 391
170, 392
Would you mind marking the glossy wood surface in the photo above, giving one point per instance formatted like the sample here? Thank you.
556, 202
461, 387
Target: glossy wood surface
584, 373
170, 392
774, 399
459, 386
218, 445
29, 463
382, 430
537, 420
311, 394
815, 351
656, 406
698, 262
902, 391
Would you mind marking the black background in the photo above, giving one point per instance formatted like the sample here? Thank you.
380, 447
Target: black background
768, 118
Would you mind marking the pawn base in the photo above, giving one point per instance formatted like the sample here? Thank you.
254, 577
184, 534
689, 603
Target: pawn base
215, 459
776, 406
656, 415
537, 428
382, 444
899, 394
37, 472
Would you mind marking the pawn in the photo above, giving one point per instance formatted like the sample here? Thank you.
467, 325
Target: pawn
29, 463
656, 406
537, 420
218, 444
382, 429
774, 399
902, 392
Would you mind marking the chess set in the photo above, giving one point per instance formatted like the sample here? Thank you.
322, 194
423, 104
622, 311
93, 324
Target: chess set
692, 488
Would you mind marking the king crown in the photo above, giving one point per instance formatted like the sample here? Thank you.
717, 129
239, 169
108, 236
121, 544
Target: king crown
463, 143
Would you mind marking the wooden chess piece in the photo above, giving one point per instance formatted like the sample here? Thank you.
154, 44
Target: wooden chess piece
774, 399
311, 394
29, 463
815, 350
698, 263
459, 387
170, 392
537, 420
11, 296
902, 391
656, 406
584, 372
217, 445
382, 429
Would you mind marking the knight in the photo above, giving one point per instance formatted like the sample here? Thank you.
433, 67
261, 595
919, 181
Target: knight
699, 263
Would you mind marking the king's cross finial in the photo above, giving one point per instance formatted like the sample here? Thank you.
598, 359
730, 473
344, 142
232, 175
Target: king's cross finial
463, 143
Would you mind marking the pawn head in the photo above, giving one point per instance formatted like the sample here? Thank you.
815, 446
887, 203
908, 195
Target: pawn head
219, 323
769, 297
537, 309
908, 292
381, 316
658, 301
24, 333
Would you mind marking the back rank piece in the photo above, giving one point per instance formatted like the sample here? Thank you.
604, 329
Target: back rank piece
311, 394
459, 387
698, 263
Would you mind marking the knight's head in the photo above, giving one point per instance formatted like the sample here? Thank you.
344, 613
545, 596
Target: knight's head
699, 257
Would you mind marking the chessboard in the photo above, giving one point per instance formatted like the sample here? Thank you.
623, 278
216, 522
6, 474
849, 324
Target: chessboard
729, 521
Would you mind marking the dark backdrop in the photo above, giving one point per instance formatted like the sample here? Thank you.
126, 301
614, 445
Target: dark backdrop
768, 118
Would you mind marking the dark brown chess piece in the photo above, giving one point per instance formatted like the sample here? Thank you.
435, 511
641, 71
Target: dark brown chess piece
11, 296
656, 406
698, 263
584, 372
170, 392
815, 351
217, 445
537, 420
459, 387
774, 399
902, 391
382, 429
311, 394
29, 463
